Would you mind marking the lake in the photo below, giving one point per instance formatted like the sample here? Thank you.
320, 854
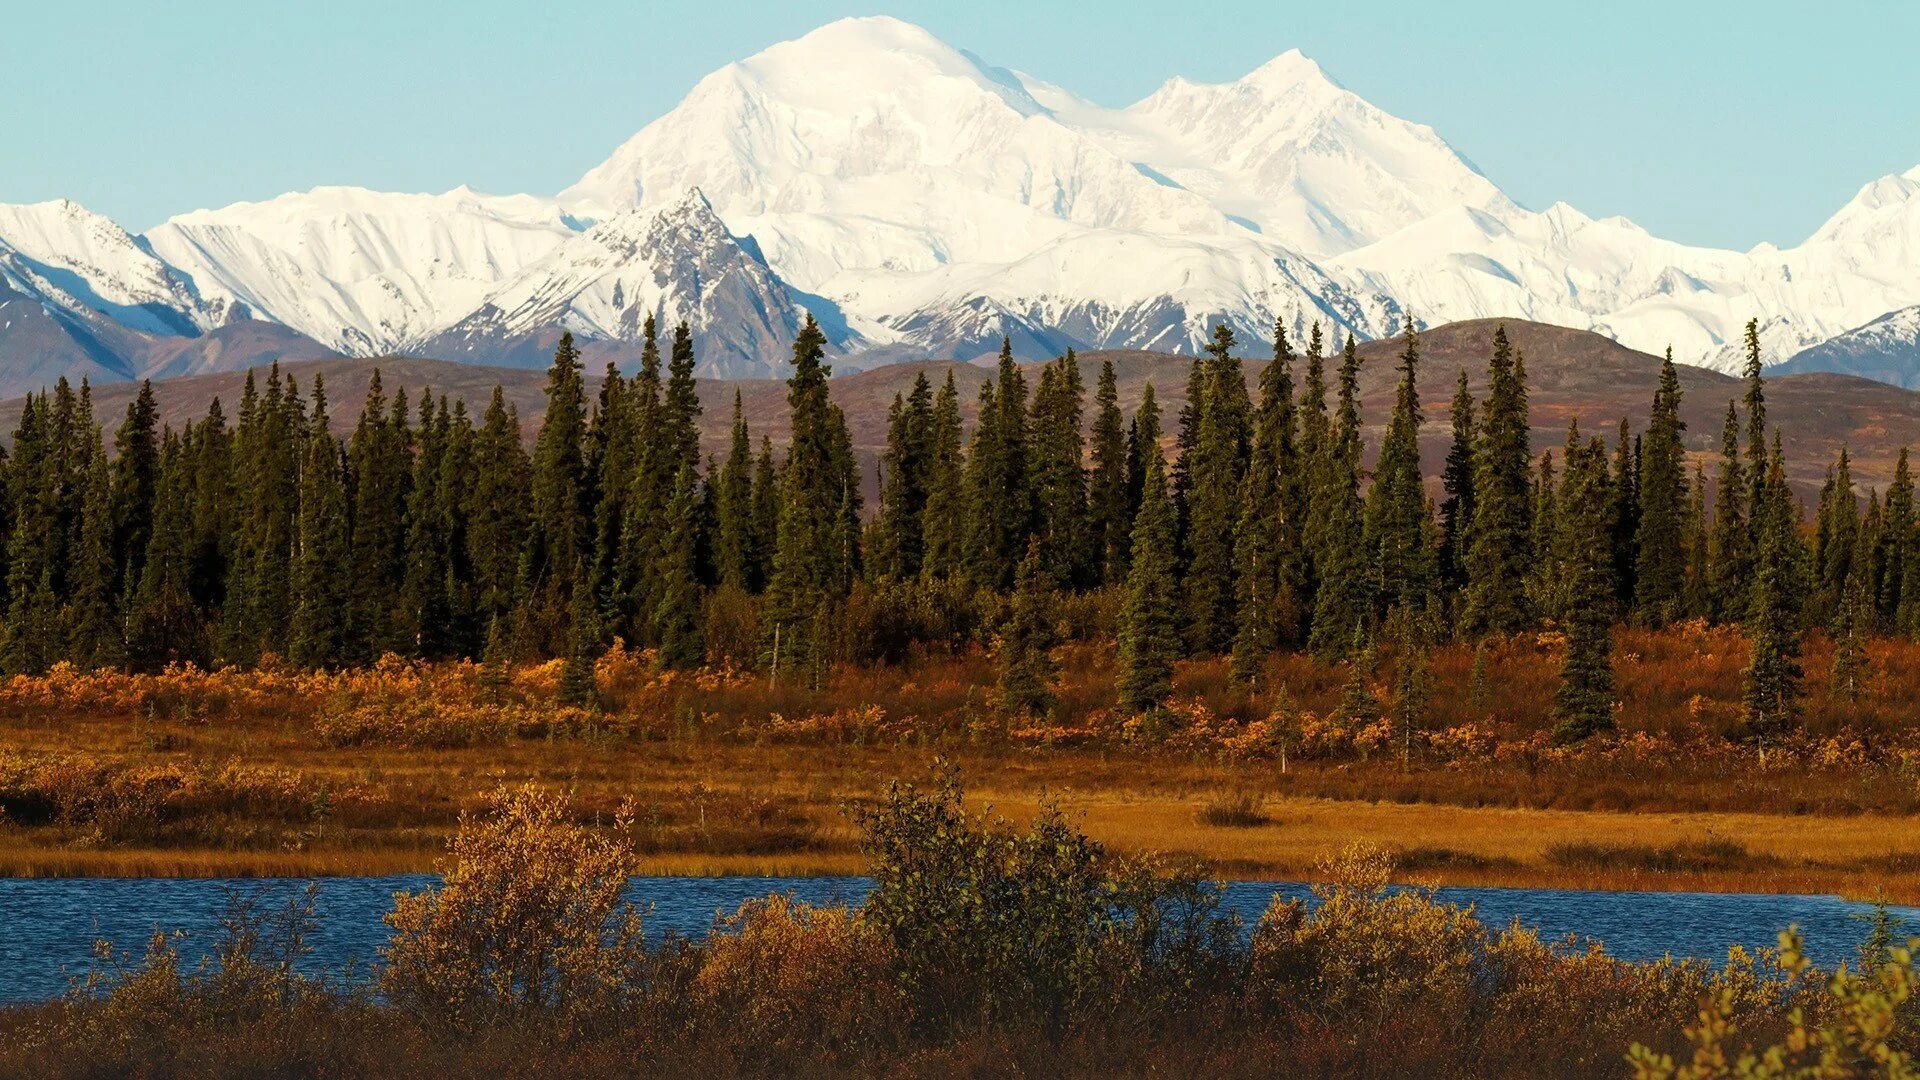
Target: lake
48, 926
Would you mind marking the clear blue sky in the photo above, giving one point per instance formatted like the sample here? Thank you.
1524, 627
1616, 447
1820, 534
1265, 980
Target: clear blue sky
1705, 122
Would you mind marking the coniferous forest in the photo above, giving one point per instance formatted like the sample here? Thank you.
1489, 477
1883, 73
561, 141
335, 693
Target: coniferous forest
433, 534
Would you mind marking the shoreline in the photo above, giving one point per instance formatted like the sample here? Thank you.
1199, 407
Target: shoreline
1857, 857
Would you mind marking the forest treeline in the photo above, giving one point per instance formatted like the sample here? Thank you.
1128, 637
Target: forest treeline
433, 534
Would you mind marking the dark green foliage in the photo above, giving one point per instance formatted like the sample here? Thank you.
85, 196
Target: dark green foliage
1397, 523
816, 548
1660, 566
136, 478
1583, 560
676, 617
1214, 467
1149, 639
943, 519
1269, 571
1109, 512
1057, 477
999, 489
737, 541
899, 545
1499, 556
1027, 638
1456, 479
559, 506
320, 577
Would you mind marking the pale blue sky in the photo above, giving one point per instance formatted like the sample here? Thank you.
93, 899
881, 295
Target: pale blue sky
1705, 122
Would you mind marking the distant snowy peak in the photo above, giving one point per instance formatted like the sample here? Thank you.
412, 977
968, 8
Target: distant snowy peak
1306, 161
78, 261
676, 262
362, 271
1886, 349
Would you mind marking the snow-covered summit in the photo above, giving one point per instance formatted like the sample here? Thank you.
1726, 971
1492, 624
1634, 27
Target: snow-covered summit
924, 202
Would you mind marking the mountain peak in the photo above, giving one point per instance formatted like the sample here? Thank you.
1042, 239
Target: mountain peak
1290, 69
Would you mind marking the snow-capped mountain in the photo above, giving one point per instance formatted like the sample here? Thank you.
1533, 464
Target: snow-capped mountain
922, 202
1885, 350
364, 272
676, 262
84, 265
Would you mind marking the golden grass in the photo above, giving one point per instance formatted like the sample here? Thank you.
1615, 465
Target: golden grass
368, 772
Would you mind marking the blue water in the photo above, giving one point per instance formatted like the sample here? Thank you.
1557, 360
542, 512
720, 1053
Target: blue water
48, 927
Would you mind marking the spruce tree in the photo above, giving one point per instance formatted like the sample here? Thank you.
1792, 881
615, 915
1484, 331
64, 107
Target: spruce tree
1731, 563
379, 461
1583, 560
1027, 637
1396, 522
943, 526
1268, 570
579, 686
736, 556
164, 625
424, 624
93, 624
1623, 514
1660, 556
1500, 537
899, 530
1456, 480
815, 551
1221, 426
496, 513
1056, 476
136, 468
1893, 600
320, 599
1110, 519
1771, 688
1149, 637
559, 513
677, 616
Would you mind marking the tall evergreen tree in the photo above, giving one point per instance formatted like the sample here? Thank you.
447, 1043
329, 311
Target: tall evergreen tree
814, 554
1219, 455
1623, 513
677, 616
1660, 557
1584, 562
1027, 638
1397, 523
1057, 476
1499, 549
320, 577
736, 544
136, 476
1456, 479
1731, 564
559, 508
380, 463
1149, 637
944, 515
899, 531
1110, 519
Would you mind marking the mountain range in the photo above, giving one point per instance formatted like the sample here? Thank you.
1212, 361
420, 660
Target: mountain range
923, 203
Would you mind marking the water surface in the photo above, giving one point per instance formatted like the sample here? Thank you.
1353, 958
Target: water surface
48, 926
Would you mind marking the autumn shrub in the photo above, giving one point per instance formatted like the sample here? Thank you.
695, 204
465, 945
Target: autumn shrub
998, 926
528, 917
783, 983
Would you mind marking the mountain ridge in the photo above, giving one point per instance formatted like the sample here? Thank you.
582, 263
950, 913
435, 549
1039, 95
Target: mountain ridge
921, 201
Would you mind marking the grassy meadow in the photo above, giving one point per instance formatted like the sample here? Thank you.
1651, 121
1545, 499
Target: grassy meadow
278, 772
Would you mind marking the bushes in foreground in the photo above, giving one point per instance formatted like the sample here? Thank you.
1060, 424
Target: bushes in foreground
985, 948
